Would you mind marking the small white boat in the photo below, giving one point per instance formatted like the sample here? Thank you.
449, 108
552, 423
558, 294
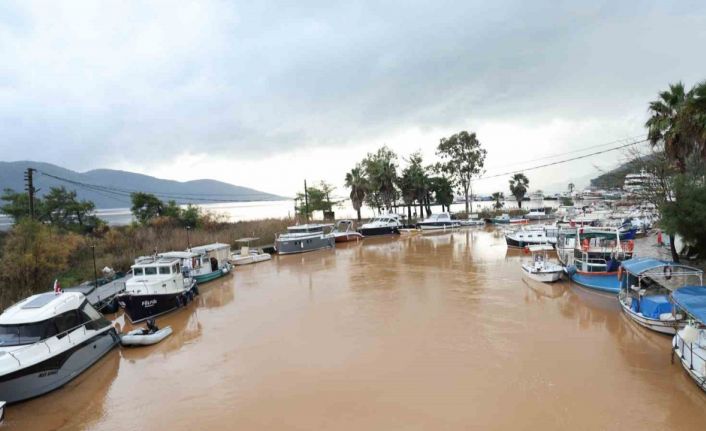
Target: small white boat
344, 232
246, 255
540, 268
472, 222
689, 343
438, 222
145, 336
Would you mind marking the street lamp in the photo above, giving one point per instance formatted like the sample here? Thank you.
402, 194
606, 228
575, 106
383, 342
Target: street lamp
188, 241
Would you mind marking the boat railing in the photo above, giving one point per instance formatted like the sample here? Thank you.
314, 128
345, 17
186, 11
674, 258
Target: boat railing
691, 353
18, 353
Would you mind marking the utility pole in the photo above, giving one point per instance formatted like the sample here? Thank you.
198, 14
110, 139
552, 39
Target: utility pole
30, 190
306, 202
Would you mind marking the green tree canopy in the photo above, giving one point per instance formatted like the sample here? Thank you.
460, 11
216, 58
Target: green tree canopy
498, 200
358, 183
462, 158
381, 172
146, 206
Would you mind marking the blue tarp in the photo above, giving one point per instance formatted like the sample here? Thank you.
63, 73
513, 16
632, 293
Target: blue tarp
653, 305
692, 299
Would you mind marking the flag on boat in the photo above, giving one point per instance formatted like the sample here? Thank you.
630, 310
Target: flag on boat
57, 287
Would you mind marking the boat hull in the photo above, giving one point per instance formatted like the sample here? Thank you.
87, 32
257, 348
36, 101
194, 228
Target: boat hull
544, 277
237, 260
514, 243
438, 226
604, 282
54, 372
304, 245
203, 278
142, 307
662, 326
378, 231
692, 358
349, 236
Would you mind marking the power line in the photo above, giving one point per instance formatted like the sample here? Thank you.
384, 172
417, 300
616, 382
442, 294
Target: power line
558, 162
580, 150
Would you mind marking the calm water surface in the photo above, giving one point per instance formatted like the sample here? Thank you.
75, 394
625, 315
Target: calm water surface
425, 332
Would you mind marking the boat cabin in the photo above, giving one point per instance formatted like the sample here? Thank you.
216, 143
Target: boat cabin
150, 267
210, 255
47, 315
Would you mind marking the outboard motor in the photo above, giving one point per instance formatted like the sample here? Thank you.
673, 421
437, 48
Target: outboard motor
152, 326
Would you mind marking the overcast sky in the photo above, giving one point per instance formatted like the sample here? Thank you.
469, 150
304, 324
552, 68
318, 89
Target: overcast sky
268, 95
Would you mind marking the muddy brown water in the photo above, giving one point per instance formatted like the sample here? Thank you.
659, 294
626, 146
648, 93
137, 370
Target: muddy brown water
426, 332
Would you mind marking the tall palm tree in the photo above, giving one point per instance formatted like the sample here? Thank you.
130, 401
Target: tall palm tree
666, 124
356, 181
571, 187
518, 187
498, 198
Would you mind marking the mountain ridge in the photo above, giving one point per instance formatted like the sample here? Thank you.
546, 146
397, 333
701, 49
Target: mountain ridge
109, 188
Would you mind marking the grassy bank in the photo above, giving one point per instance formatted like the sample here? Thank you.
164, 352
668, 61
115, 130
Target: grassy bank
32, 255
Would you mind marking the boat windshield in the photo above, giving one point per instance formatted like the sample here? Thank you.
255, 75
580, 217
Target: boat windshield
14, 335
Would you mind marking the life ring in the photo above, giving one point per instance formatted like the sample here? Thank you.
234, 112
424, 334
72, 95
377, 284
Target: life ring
667, 272
620, 273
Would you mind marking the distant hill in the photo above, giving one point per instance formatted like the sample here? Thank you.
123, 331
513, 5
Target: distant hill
107, 187
615, 178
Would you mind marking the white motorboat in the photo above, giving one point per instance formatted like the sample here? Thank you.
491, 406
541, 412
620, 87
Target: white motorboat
47, 340
689, 343
531, 235
344, 232
472, 222
145, 336
436, 222
247, 255
645, 284
540, 268
537, 214
388, 224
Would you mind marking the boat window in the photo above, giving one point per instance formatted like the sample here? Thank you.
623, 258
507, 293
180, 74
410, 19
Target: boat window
150, 270
138, 271
164, 270
66, 321
13, 335
92, 318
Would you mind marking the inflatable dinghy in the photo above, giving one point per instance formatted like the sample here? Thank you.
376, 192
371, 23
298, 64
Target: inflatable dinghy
146, 336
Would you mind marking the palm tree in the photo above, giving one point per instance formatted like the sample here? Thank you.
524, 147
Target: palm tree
498, 197
356, 181
571, 188
518, 187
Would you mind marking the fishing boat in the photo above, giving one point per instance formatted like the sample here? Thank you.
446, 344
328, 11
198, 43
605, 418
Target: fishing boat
211, 262
592, 256
689, 343
645, 284
159, 284
47, 340
506, 219
436, 222
472, 222
534, 234
247, 255
388, 224
539, 268
304, 238
344, 231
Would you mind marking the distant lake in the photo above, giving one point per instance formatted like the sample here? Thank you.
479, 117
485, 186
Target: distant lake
240, 211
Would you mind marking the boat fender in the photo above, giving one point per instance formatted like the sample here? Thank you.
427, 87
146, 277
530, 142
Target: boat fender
667, 272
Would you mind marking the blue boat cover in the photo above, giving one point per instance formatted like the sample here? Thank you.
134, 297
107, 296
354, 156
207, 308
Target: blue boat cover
692, 299
653, 305
602, 282
639, 265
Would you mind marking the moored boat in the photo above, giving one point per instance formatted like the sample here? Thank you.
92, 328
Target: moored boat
436, 222
159, 285
247, 255
304, 238
592, 257
344, 231
645, 284
539, 268
388, 224
689, 343
211, 262
506, 219
47, 340
147, 336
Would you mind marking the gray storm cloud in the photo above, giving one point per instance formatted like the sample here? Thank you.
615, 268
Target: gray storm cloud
85, 83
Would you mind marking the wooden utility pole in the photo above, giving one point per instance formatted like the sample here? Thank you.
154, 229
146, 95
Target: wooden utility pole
30, 190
